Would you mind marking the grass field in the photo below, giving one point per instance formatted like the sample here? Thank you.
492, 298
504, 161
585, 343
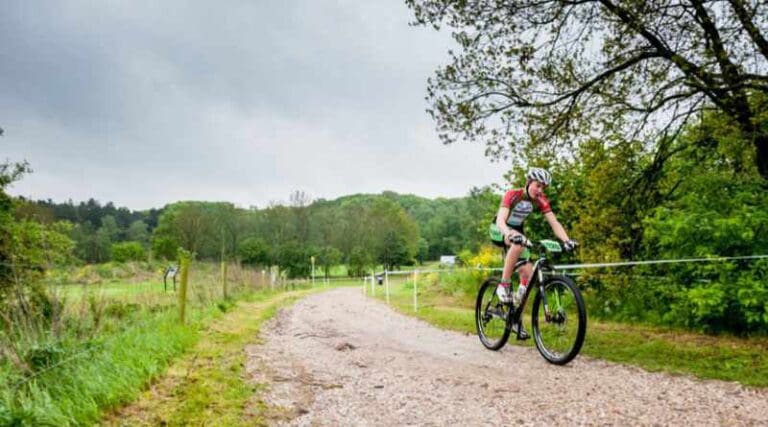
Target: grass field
675, 351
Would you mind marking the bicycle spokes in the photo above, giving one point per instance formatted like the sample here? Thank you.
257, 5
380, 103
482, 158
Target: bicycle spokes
491, 317
560, 324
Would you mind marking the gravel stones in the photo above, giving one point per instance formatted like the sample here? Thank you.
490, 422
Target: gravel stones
339, 358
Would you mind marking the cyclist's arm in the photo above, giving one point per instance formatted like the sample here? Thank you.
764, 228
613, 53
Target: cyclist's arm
501, 222
557, 228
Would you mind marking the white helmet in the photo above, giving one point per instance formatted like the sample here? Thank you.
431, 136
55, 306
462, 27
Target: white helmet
539, 174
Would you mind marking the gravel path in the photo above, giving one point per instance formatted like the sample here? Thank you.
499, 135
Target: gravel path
338, 358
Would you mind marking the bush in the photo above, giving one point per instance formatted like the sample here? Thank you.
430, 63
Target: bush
700, 307
128, 251
487, 257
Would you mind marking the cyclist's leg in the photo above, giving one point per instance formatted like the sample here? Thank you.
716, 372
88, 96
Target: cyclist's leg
505, 290
525, 271
513, 254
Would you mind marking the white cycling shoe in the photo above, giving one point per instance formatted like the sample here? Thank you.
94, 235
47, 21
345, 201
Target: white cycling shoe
504, 293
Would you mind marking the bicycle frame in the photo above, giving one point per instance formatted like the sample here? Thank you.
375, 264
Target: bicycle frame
540, 268
558, 315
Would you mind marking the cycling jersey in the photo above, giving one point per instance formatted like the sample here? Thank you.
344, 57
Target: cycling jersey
520, 207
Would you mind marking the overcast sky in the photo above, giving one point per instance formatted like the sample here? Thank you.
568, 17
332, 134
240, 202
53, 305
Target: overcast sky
144, 103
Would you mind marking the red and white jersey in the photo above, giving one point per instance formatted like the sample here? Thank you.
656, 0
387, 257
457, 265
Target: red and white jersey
520, 207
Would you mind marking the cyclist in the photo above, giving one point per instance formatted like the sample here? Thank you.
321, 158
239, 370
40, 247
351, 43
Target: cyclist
515, 207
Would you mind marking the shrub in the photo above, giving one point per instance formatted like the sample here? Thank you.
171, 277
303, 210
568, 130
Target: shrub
701, 306
487, 257
128, 251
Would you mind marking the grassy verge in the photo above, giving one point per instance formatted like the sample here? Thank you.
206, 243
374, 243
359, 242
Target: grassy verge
728, 358
207, 385
72, 385
105, 345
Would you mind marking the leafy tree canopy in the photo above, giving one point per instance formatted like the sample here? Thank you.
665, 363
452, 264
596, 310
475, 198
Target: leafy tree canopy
539, 77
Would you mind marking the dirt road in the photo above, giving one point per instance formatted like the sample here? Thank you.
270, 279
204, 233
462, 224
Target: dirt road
338, 358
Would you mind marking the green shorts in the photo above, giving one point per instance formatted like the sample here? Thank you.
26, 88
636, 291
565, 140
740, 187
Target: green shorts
497, 238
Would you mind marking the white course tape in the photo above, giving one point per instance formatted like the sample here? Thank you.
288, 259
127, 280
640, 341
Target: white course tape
660, 261
596, 265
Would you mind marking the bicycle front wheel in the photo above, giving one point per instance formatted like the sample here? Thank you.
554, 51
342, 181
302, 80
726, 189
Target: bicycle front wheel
559, 320
491, 316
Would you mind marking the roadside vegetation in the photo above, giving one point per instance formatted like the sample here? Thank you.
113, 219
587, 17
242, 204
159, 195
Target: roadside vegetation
208, 385
106, 340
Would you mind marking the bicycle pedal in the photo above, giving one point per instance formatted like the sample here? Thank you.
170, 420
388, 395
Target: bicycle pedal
520, 335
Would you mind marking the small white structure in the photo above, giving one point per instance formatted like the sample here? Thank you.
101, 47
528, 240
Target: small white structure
449, 260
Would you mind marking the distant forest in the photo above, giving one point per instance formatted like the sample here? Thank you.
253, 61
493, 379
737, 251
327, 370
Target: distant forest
389, 228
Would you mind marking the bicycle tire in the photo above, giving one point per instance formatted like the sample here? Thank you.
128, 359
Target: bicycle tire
559, 326
488, 308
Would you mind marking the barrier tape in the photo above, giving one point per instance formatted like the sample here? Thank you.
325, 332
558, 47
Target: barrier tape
660, 261
595, 265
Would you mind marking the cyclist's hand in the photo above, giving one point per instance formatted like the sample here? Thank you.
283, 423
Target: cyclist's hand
570, 245
519, 239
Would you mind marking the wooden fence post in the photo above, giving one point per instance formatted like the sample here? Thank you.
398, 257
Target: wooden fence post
184, 264
224, 278
386, 284
415, 291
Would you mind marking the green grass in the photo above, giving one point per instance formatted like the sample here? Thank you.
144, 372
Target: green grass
86, 378
110, 342
207, 386
112, 289
107, 371
728, 358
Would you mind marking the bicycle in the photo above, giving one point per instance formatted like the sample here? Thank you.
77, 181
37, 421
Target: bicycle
558, 315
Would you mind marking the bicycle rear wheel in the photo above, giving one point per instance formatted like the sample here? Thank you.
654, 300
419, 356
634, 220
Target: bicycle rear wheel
559, 320
491, 316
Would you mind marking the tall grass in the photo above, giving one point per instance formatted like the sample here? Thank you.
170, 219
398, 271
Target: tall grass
208, 386
85, 379
103, 343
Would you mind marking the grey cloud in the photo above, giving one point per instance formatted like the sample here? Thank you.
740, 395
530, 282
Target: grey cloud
149, 101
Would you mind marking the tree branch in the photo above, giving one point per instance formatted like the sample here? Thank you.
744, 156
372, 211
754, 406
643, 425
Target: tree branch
749, 26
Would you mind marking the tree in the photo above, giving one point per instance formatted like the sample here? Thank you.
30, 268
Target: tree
549, 74
359, 260
227, 224
9, 172
137, 232
327, 257
300, 202
383, 229
109, 228
91, 245
606, 217
394, 250
185, 223
27, 248
423, 252
294, 259
254, 251
165, 247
